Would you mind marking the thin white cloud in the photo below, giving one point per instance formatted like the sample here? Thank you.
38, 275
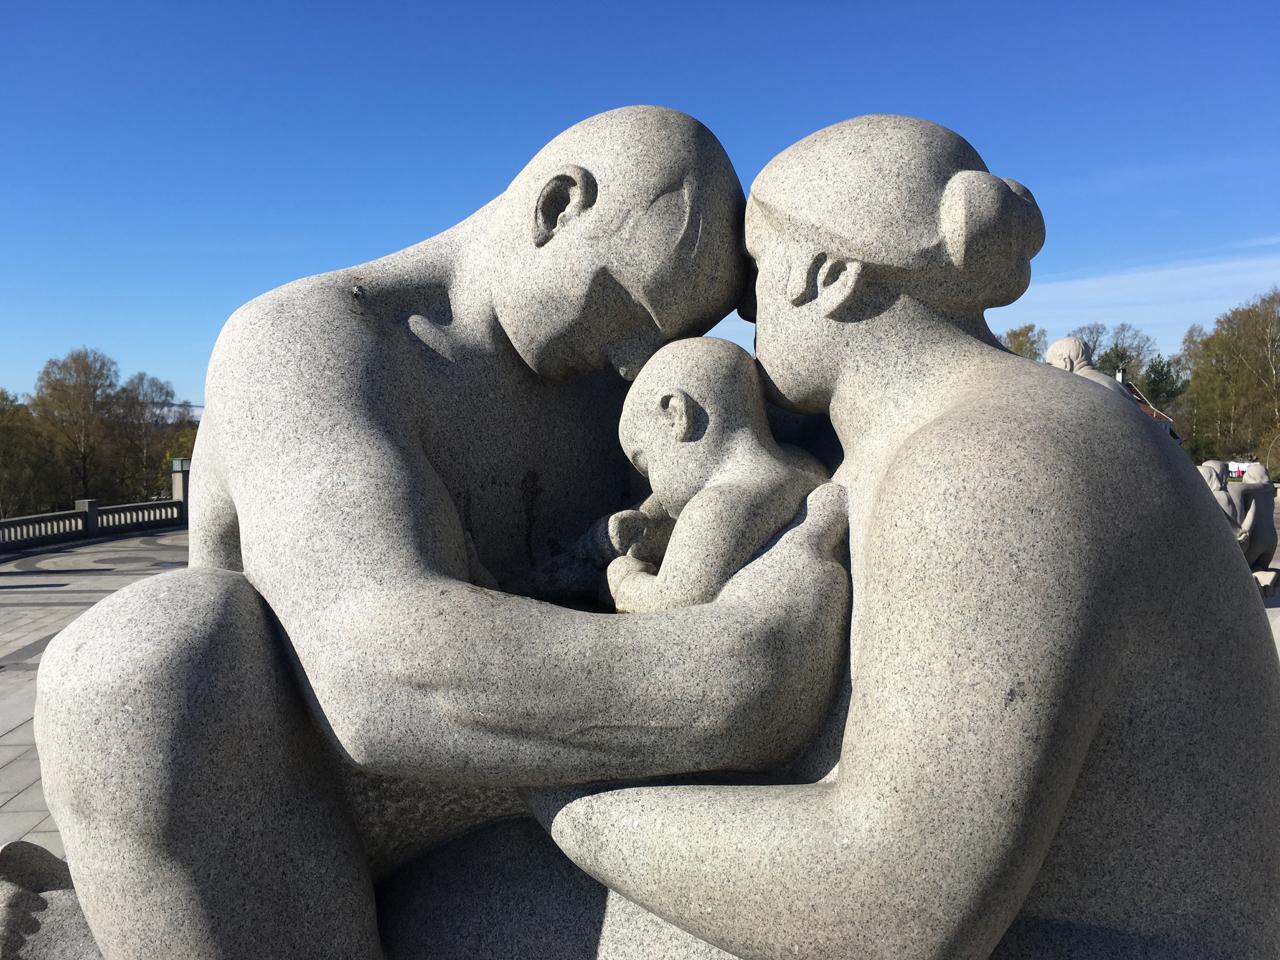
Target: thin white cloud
1255, 243
1163, 301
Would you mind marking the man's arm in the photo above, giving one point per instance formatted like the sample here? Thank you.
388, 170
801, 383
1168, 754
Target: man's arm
352, 539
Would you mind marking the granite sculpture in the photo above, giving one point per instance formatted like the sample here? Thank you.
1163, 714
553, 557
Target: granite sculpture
1034, 700
385, 451
1215, 480
1219, 467
1254, 500
1046, 729
1075, 356
694, 424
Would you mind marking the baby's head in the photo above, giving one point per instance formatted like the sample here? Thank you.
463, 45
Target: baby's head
689, 403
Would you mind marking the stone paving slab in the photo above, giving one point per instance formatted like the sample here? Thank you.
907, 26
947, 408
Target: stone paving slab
40, 593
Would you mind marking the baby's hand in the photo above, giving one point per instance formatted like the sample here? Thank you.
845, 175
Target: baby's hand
623, 569
626, 529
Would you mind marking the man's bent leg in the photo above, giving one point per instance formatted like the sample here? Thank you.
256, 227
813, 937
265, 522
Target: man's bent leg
185, 776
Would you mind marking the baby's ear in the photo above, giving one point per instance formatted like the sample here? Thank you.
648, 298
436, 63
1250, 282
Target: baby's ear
679, 413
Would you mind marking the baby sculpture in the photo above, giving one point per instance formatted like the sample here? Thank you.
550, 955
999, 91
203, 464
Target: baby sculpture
694, 424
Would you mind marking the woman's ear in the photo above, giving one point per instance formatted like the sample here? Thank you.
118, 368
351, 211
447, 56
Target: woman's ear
830, 281
568, 194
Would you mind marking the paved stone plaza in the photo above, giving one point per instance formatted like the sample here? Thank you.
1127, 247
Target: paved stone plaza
40, 593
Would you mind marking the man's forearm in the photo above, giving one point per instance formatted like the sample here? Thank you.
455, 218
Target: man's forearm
447, 681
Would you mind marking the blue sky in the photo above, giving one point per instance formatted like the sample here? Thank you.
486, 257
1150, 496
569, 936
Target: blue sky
162, 163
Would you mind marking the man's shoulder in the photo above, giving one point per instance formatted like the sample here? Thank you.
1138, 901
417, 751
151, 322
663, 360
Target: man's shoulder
297, 337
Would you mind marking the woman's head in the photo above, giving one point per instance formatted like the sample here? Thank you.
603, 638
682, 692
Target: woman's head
862, 212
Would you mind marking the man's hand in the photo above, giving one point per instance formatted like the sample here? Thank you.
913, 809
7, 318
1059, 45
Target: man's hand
620, 571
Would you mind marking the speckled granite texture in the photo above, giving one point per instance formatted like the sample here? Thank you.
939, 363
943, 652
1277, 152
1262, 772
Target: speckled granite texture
1039, 720
1065, 707
390, 455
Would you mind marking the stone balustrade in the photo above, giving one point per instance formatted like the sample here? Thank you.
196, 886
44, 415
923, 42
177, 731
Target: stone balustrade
89, 520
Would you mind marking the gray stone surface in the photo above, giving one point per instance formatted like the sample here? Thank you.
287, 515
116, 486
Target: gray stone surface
694, 424
1074, 356
1215, 480
1064, 747
379, 445
42, 916
505, 892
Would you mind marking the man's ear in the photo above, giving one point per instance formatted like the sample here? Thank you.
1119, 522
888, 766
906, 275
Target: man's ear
678, 410
831, 281
569, 193
838, 283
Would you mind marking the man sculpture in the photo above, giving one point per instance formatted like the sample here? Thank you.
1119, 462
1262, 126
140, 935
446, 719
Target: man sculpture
383, 448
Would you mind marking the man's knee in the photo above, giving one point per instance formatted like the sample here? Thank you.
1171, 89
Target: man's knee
127, 688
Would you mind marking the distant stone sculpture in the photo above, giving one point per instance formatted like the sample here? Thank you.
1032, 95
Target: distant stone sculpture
694, 424
1219, 467
1217, 485
234, 758
1074, 356
1254, 499
307, 744
1033, 695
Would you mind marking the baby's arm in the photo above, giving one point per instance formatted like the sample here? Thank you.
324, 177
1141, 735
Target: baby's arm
716, 534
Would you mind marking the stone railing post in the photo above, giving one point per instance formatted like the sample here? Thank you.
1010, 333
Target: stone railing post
90, 510
181, 474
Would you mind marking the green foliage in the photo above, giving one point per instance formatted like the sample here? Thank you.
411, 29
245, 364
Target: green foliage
1123, 347
1230, 409
1026, 341
82, 433
1162, 382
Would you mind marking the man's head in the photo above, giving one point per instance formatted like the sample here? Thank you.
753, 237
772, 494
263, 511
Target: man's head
1069, 354
852, 217
623, 232
686, 406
